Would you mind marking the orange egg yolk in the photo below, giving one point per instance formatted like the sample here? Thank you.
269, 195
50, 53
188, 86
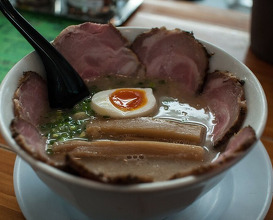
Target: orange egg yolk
128, 99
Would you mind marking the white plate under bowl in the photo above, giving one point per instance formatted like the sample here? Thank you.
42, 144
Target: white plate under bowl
244, 193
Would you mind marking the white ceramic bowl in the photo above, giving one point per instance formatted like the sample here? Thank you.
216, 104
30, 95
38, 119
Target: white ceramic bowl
141, 201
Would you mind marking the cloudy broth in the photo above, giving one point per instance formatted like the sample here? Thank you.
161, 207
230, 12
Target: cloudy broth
173, 104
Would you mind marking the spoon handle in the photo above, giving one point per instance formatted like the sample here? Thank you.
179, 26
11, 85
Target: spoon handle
65, 86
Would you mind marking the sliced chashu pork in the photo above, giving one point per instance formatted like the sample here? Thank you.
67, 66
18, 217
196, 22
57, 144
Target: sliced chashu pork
96, 50
173, 55
29, 138
30, 104
31, 98
224, 95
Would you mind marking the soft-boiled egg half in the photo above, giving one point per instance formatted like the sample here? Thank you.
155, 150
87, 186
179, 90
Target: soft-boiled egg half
124, 102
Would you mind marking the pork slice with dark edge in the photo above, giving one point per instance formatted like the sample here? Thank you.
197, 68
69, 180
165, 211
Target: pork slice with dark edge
173, 55
31, 98
30, 106
96, 50
225, 97
28, 137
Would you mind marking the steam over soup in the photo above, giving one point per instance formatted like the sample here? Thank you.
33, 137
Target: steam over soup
135, 127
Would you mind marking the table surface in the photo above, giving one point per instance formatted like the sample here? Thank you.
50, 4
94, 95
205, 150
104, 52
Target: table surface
226, 29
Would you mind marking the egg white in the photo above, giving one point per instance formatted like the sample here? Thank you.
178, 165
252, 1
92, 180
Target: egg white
102, 105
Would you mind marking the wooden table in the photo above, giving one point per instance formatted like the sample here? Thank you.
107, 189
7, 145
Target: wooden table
226, 29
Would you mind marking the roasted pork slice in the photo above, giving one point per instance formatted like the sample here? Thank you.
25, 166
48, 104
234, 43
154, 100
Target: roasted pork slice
174, 55
28, 137
239, 143
224, 94
31, 98
127, 162
147, 128
236, 147
97, 50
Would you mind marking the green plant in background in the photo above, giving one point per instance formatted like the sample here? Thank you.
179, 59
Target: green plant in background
14, 47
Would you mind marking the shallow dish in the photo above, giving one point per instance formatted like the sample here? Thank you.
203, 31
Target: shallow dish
140, 201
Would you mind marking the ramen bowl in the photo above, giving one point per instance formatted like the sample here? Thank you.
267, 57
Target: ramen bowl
137, 201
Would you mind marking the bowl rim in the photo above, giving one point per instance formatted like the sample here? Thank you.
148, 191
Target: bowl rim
134, 188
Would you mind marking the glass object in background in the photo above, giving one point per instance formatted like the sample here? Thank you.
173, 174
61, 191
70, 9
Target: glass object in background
242, 5
99, 11
92, 7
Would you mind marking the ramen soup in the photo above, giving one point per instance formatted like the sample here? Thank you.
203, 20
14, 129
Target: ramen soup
175, 135
151, 116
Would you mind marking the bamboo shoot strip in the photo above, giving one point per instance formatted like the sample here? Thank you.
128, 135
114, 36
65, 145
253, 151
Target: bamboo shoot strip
147, 128
124, 149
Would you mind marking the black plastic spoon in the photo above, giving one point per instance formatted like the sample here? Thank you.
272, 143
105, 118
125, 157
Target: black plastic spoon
65, 86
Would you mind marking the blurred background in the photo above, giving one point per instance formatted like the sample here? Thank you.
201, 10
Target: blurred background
239, 5
213, 3
50, 17
103, 10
